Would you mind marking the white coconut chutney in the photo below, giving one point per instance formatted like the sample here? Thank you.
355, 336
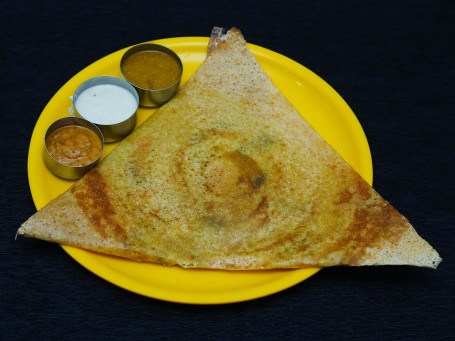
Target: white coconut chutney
106, 104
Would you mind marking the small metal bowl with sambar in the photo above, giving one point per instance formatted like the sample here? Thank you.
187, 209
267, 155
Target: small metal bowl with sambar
155, 72
72, 146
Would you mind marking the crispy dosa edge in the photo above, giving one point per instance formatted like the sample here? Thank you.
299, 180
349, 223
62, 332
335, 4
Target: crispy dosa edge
409, 249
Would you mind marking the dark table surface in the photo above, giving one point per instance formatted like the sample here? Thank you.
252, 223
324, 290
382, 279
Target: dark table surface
391, 61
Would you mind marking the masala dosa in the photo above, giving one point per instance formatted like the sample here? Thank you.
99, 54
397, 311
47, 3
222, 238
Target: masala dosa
228, 175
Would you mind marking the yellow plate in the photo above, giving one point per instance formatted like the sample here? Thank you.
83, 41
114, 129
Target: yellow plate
315, 100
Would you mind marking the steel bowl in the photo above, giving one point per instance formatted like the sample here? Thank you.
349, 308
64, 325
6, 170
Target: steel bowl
149, 97
60, 169
117, 130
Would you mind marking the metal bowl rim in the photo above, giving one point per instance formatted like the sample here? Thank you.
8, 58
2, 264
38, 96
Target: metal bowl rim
138, 47
106, 80
91, 125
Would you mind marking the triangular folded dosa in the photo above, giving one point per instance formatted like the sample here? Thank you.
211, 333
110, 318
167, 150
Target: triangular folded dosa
228, 175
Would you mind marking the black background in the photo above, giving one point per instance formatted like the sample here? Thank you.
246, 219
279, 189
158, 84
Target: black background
392, 62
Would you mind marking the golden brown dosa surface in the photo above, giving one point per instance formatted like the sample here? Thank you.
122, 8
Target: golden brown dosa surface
228, 175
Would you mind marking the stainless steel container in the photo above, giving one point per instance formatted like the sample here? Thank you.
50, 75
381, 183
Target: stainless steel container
148, 97
118, 130
60, 169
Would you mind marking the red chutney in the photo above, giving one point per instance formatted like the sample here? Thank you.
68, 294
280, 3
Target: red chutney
74, 145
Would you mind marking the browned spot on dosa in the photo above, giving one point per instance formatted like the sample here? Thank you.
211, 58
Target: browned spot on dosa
360, 189
95, 202
234, 174
370, 228
261, 212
